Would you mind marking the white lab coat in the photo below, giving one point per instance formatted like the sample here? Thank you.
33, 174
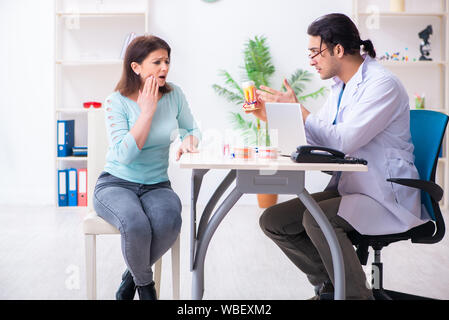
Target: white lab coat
373, 123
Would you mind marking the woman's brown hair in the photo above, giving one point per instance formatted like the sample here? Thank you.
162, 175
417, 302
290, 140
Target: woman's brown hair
137, 51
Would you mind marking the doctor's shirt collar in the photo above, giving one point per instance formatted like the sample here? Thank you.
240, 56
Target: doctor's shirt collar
358, 76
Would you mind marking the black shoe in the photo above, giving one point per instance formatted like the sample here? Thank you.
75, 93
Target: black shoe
147, 292
127, 289
325, 291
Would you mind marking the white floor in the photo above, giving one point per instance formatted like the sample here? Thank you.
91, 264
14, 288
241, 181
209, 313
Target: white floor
42, 257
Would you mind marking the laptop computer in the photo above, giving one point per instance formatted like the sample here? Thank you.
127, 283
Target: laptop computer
286, 126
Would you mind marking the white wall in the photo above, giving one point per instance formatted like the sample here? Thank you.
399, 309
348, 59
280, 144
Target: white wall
204, 38
26, 105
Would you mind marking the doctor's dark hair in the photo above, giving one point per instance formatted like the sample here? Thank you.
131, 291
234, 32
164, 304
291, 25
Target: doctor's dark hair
137, 51
337, 28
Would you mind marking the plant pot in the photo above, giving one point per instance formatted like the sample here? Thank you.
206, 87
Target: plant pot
267, 200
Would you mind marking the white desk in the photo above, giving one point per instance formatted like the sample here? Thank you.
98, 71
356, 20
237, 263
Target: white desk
282, 176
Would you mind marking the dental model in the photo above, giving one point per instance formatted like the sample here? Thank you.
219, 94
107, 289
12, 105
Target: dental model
249, 89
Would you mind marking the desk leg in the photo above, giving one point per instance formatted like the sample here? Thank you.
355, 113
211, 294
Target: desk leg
329, 233
204, 240
214, 200
197, 179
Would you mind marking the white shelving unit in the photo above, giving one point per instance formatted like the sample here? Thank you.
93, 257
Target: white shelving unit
398, 32
89, 37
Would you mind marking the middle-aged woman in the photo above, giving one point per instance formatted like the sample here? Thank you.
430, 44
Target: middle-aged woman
134, 192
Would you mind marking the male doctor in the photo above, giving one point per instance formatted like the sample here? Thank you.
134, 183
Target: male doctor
366, 116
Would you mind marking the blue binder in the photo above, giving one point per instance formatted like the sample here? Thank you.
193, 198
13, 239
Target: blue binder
62, 188
79, 151
72, 184
65, 137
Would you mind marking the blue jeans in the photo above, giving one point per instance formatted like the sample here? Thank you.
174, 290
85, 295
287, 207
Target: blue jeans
147, 216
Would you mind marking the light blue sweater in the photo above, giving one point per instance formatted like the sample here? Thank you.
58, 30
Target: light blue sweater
149, 165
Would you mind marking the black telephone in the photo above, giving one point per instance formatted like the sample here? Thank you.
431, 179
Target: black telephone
317, 154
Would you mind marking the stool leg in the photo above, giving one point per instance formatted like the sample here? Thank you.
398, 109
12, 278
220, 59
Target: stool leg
91, 266
175, 251
157, 275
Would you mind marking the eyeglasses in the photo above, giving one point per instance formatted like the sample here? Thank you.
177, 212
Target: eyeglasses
312, 56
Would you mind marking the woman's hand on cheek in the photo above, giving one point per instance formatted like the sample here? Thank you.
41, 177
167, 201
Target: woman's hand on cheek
148, 96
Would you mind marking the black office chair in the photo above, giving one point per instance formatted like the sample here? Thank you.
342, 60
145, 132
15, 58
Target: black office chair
427, 129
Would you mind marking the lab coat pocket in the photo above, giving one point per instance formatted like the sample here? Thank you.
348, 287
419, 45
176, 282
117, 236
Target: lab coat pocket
400, 165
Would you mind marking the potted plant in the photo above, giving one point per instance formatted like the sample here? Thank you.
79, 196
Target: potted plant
258, 67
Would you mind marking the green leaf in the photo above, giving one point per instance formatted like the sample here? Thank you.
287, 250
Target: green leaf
257, 58
314, 95
230, 81
229, 95
297, 81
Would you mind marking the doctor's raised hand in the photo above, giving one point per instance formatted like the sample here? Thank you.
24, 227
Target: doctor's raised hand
267, 94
